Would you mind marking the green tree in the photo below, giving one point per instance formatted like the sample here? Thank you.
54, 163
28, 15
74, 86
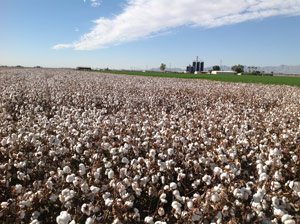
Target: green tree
238, 68
162, 67
216, 68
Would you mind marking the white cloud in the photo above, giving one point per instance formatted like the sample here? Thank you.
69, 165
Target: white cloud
145, 18
62, 46
94, 3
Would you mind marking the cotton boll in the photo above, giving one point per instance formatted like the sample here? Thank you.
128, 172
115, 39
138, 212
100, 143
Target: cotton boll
224, 177
190, 205
63, 218
116, 221
35, 221
70, 178
85, 209
177, 195
275, 185
196, 218
263, 177
215, 197
67, 169
278, 212
149, 220
76, 181
94, 189
196, 183
177, 206
18, 188
173, 186
163, 198
53, 197
278, 175
89, 220
171, 151
125, 160
4, 205
4, 142
113, 151
207, 179
295, 158
82, 169
295, 185
108, 202
129, 204
217, 171
97, 175
258, 196
110, 174
84, 187
287, 219
161, 211
152, 153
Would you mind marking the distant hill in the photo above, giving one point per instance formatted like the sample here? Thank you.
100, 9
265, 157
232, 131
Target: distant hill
282, 69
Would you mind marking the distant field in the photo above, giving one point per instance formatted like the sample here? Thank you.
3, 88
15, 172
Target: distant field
276, 80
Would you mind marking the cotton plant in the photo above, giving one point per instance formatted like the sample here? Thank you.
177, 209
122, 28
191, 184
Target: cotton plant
118, 149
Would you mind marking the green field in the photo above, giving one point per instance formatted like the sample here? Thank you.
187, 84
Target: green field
275, 80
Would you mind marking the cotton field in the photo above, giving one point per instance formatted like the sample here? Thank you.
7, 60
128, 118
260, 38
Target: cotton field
84, 147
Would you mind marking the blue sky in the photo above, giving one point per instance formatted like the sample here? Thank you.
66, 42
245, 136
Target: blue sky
144, 33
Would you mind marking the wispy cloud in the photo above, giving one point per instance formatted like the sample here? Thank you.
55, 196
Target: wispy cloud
62, 46
144, 18
94, 3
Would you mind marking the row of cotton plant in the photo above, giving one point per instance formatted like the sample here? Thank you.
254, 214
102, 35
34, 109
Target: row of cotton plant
82, 147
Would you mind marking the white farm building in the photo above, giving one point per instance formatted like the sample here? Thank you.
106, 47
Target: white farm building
223, 73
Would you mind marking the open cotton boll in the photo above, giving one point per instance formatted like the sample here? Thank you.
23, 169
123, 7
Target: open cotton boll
110, 174
215, 197
206, 179
70, 178
190, 204
163, 198
4, 205
129, 204
89, 220
171, 151
263, 177
67, 169
125, 160
108, 202
94, 189
149, 220
173, 186
18, 188
278, 212
295, 158
295, 185
35, 221
63, 218
82, 169
287, 219
85, 209
217, 171
161, 211
196, 217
